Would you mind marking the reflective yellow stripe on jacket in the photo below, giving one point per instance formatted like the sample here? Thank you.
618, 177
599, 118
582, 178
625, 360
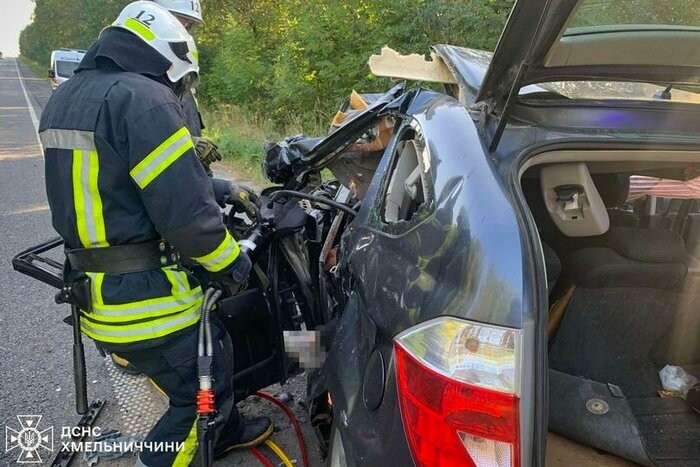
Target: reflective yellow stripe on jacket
146, 309
161, 157
86, 198
222, 257
144, 319
151, 329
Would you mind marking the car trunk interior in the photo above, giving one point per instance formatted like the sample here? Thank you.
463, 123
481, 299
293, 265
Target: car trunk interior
624, 290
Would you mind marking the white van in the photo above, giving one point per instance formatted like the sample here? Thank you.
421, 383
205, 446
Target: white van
63, 65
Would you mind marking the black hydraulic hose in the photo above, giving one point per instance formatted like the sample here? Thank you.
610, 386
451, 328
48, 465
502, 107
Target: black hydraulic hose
201, 346
318, 199
210, 300
210, 341
207, 418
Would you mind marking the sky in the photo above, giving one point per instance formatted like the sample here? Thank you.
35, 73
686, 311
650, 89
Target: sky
16, 14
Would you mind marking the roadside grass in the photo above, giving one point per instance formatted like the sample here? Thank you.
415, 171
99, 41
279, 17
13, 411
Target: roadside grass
241, 136
39, 70
240, 139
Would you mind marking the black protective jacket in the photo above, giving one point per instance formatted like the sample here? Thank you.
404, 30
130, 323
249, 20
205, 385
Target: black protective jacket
193, 118
121, 169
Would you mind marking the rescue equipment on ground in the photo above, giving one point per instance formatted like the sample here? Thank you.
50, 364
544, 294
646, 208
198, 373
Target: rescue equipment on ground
65, 456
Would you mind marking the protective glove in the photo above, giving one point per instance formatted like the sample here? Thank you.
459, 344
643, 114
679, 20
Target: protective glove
207, 152
235, 278
241, 197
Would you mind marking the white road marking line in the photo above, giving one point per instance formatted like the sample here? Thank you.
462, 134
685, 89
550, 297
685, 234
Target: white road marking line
13, 108
32, 114
16, 157
26, 210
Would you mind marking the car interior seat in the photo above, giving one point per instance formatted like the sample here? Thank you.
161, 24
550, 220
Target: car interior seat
632, 257
613, 252
573, 201
552, 266
614, 190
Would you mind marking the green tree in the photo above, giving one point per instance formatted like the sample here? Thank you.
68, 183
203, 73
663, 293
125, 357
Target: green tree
66, 23
287, 59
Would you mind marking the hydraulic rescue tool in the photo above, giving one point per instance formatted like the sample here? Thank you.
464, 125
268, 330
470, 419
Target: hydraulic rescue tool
207, 417
51, 272
65, 456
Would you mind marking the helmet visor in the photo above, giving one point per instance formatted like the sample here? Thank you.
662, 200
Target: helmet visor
186, 21
181, 49
186, 84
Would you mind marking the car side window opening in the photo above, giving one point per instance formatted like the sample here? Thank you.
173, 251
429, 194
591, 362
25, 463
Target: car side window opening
408, 188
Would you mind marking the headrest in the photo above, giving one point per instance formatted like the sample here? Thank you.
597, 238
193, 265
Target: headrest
532, 191
648, 245
613, 188
572, 200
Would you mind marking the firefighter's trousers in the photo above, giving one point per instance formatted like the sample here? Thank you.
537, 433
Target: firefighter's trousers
173, 367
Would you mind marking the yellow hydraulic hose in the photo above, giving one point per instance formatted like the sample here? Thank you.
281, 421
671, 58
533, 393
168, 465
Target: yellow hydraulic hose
280, 453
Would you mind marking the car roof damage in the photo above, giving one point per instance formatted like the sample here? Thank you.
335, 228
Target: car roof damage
390, 63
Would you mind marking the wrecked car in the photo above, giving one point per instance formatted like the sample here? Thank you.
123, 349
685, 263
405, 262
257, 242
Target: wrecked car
474, 285
497, 298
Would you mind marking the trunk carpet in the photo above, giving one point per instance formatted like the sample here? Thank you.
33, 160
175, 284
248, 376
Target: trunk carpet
670, 429
608, 334
624, 336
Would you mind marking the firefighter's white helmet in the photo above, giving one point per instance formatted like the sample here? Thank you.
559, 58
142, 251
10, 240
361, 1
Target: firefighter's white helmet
158, 28
190, 9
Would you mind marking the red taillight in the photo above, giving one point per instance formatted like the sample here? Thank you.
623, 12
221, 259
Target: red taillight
447, 420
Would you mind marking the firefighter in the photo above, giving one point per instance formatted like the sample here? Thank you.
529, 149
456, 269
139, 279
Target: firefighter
189, 13
129, 197
241, 197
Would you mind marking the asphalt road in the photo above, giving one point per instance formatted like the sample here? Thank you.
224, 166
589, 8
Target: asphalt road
35, 345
